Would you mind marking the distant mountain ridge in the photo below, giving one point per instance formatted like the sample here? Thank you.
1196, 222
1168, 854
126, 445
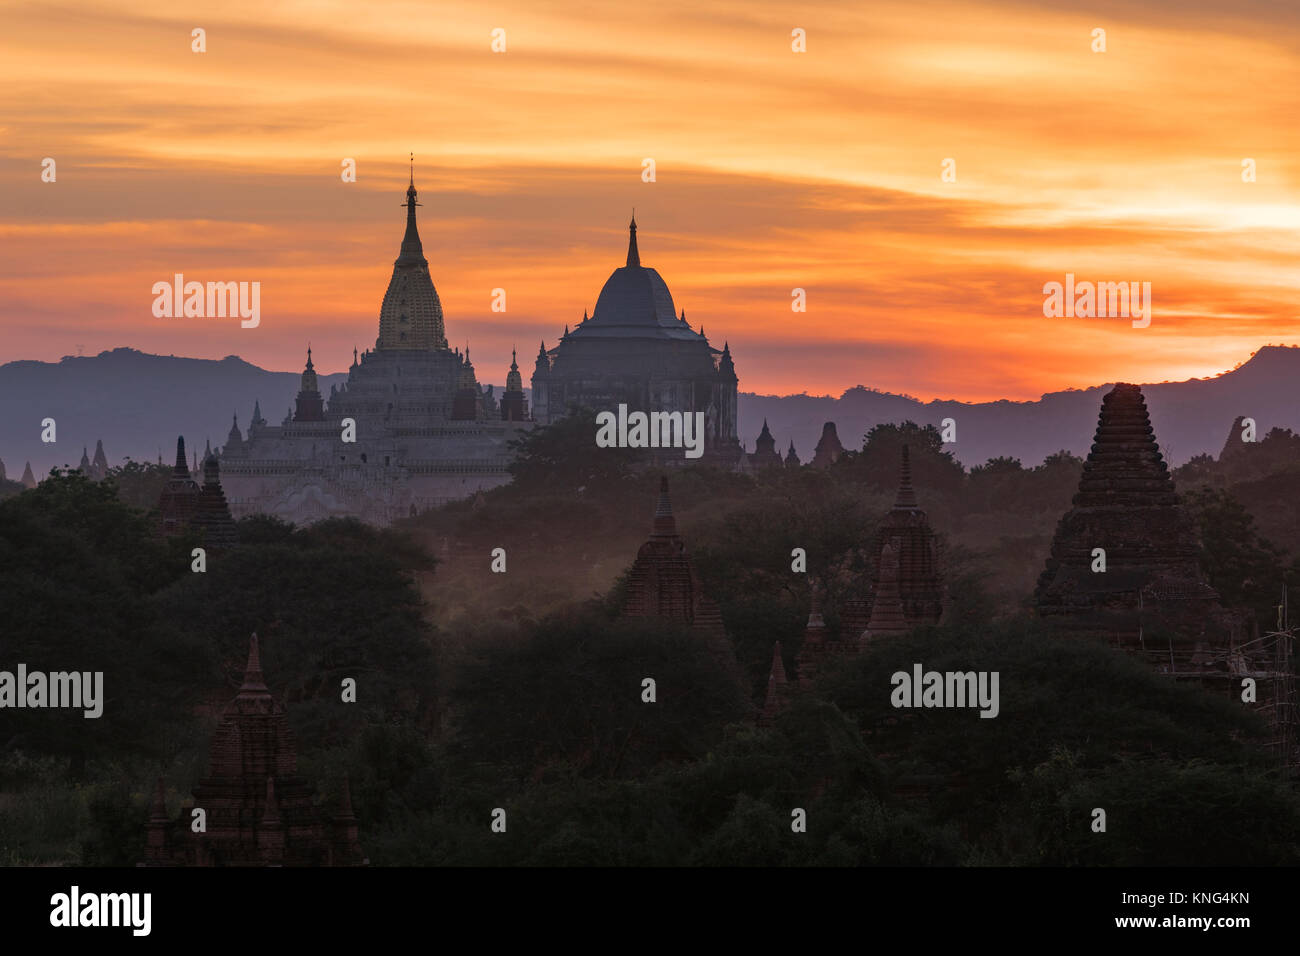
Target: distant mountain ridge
138, 403
1189, 418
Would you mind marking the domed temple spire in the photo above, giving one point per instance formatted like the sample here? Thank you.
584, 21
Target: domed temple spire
633, 257
411, 314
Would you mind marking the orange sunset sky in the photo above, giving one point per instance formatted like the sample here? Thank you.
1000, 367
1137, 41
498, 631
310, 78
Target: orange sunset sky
775, 170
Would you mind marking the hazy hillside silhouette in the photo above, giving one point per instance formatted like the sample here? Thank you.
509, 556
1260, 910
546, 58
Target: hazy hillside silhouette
137, 403
1190, 418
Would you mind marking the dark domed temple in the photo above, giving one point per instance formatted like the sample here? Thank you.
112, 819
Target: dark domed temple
635, 349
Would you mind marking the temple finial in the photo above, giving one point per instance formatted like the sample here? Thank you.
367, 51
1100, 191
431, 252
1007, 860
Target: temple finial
665, 525
906, 497
633, 256
253, 679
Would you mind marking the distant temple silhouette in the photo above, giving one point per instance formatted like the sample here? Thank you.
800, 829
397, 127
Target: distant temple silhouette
663, 581
185, 505
1127, 507
258, 810
908, 575
636, 350
907, 591
425, 431
1153, 600
829, 449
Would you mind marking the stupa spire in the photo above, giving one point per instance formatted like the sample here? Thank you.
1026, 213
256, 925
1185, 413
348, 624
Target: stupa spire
412, 250
777, 687
665, 525
906, 497
633, 256
254, 682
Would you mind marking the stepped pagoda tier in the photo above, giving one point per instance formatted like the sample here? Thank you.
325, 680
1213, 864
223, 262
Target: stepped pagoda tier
1152, 599
663, 581
212, 515
179, 501
420, 430
1126, 505
919, 575
259, 810
634, 349
887, 618
829, 449
792, 457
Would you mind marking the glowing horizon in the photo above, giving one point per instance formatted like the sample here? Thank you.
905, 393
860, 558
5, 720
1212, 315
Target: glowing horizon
775, 170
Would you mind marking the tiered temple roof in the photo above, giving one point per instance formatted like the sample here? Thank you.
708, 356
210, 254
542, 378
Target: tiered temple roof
663, 581
1152, 599
212, 516
765, 454
919, 579
1126, 505
259, 810
179, 501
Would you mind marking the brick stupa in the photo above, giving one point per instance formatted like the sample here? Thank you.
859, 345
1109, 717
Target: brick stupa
1127, 506
829, 449
212, 513
887, 617
259, 811
919, 578
663, 581
179, 501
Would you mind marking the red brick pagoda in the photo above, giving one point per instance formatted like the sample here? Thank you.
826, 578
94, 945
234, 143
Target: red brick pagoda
259, 811
663, 581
